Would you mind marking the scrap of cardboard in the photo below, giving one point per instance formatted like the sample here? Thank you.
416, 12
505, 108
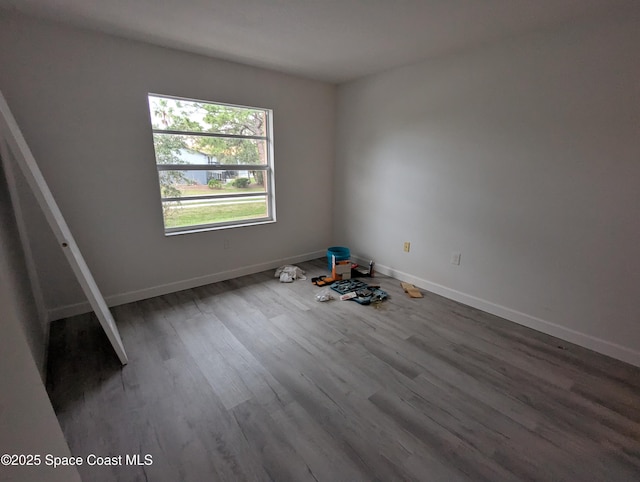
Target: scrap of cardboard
341, 269
411, 290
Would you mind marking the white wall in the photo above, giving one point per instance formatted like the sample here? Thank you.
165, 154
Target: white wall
28, 423
525, 157
80, 100
16, 299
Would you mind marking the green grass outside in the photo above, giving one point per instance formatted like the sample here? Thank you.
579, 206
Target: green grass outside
196, 216
200, 190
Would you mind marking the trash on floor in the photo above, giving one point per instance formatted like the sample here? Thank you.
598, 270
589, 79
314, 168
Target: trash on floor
340, 253
325, 295
341, 269
339, 262
322, 280
348, 296
411, 290
358, 271
364, 294
289, 273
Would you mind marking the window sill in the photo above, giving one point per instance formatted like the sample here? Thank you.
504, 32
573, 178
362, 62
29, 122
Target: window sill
218, 227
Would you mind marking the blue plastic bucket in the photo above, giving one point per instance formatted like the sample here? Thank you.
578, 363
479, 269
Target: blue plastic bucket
341, 254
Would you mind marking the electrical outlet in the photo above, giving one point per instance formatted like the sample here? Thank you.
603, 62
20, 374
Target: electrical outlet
407, 246
455, 258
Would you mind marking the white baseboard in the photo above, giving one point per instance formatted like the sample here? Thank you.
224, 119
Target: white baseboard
599, 345
131, 296
605, 347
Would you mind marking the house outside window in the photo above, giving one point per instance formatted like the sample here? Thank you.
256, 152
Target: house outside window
214, 162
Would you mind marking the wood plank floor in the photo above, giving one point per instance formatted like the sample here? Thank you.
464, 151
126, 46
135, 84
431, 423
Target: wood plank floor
251, 379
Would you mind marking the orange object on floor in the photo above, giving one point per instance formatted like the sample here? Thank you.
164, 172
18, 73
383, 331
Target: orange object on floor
411, 290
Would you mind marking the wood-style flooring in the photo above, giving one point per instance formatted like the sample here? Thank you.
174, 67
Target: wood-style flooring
252, 379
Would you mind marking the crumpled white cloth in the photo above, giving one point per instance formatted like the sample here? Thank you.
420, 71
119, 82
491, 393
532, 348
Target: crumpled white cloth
288, 273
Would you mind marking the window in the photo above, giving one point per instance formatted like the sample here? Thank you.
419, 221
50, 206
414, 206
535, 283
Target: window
215, 164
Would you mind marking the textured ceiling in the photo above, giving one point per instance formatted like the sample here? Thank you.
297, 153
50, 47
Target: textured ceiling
331, 40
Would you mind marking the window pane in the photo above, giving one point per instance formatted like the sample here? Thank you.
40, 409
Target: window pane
194, 116
219, 156
179, 149
210, 211
176, 184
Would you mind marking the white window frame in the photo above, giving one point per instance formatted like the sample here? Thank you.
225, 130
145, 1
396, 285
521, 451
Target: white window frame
269, 174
